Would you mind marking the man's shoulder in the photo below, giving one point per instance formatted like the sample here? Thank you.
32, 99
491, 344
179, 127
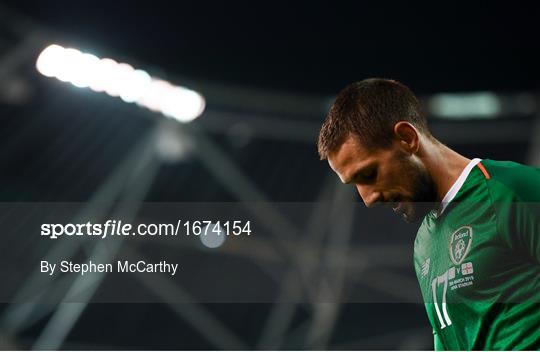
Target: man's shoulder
507, 168
520, 180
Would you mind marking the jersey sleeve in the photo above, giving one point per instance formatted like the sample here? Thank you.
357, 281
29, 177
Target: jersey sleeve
527, 226
516, 196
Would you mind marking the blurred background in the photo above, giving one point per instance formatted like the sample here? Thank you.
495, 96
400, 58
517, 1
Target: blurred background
247, 86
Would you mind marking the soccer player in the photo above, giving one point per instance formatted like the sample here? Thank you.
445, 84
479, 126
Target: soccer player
477, 252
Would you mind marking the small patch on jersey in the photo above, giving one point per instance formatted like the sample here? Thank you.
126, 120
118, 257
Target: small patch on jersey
425, 267
451, 273
467, 268
460, 244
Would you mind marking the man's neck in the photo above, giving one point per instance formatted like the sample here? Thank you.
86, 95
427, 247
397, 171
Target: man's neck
445, 165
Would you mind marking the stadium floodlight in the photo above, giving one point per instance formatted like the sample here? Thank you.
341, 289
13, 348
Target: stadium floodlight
136, 84
467, 105
117, 79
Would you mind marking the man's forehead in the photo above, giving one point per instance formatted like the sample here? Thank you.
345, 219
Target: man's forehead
350, 149
349, 157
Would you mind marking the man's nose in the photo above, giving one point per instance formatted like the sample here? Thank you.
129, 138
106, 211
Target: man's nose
369, 196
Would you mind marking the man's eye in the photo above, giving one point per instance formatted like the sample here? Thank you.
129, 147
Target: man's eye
370, 174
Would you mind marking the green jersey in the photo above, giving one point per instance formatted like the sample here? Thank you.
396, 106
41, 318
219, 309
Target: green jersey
477, 260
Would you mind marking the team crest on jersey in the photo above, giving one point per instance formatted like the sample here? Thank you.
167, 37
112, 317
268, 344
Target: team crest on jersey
460, 244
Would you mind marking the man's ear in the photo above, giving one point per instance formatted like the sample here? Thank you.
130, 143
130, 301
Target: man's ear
407, 136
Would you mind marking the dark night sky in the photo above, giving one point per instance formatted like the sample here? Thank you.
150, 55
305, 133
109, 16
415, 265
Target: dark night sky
312, 47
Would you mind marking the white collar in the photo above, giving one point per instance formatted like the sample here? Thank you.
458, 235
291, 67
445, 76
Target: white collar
457, 185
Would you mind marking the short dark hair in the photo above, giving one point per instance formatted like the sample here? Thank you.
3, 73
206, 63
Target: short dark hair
369, 109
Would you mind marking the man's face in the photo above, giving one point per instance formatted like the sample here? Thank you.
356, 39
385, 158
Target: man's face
391, 176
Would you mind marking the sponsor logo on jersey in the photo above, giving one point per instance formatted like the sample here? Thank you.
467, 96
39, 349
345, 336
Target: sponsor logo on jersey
425, 267
460, 244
